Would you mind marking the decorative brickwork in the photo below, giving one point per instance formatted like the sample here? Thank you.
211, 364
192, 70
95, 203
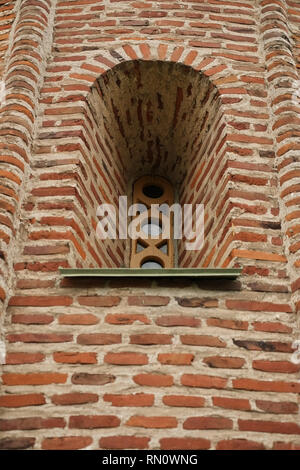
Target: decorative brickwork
99, 93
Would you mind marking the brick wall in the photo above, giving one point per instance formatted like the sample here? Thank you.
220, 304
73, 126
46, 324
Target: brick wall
100, 93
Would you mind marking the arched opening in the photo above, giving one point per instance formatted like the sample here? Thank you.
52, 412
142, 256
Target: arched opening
161, 119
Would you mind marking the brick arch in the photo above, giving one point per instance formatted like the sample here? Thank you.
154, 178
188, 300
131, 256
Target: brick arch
62, 204
165, 119
88, 251
88, 72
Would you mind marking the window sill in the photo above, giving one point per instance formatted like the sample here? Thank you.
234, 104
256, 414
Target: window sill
218, 273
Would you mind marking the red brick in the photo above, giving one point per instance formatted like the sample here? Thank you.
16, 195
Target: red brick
224, 362
99, 338
99, 301
208, 422
203, 381
156, 422
38, 378
285, 367
268, 426
154, 380
126, 319
39, 338
84, 378
35, 319
78, 319
194, 302
93, 422
266, 385
148, 300
126, 358
150, 339
74, 398
282, 446
16, 443
184, 443
232, 403
17, 401
272, 327
124, 442
231, 324
178, 320
184, 401
239, 444
277, 407
66, 443
31, 423
252, 345
202, 340
137, 399
23, 358
40, 301
176, 359
255, 306
75, 358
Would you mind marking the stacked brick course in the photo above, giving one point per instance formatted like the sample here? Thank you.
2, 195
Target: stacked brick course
98, 94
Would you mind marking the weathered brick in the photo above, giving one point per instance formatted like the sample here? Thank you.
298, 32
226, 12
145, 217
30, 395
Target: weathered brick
266, 385
277, 407
24, 357
184, 401
208, 422
107, 112
74, 398
203, 381
231, 324
156, 422
178, 320
93, 422
66, 443
75, 358
150, 339
35, 319
85, 378
268, 426
184, 443
16, 401
202, 340
78, 319
39, 338
232, 403
148, 301
99, 301
31, 423
126, 358
194, 302
224, 362
126, 319
17, 443
38, 378
137, 399
98, 338
175, 359
154, 380
124, 442
239, 444
285, 367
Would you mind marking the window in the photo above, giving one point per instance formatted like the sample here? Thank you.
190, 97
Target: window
152, 246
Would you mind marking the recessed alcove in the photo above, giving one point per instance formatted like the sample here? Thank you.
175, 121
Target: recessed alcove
161, 119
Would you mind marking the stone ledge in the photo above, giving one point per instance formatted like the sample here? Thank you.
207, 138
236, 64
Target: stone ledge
149, 273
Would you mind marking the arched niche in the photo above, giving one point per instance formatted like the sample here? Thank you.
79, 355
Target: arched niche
162, 119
